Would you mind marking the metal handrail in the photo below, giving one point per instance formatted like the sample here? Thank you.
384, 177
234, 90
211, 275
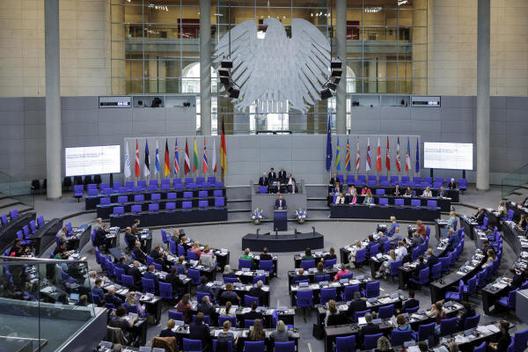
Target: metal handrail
514, 180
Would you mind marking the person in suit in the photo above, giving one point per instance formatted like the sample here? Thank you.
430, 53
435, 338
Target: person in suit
356, 305
257, 291
253, 314
119, 321
97, 289
282, 176
368, 329
198, 330
173, 278
150, 274
206, 307
263, 180
138, 253
202, 287
392, 228
265, 255
452, 184
411, 302
272, 176
121, 264
168, 331
292, 184
130, 238
180, 265
135, 273
431, 258
280, 203
111, 298
100, 234
420, 266
330, 255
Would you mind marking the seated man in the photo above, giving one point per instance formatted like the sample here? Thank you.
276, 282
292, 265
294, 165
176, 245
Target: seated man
247, 255
138, 253
120, 321
229, 295
369, 329
198, 330
97, 289
253, 314
111, 298
263, 180
257, 291
130, 238
265, 255
411, 302
356, 305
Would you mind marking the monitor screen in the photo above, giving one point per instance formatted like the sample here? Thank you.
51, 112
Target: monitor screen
454, 156
96, 160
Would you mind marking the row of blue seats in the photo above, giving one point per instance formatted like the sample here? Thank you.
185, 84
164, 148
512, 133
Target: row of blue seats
219, 202
5, 220
157, 197
403, 181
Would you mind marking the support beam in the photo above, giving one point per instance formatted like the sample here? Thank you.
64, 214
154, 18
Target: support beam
483, 95
53, 105
341, 42
205, 67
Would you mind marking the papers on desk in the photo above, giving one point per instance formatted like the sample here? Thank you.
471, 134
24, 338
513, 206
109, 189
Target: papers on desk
362, 321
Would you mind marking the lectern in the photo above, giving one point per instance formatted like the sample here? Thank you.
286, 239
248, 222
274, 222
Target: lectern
280, 220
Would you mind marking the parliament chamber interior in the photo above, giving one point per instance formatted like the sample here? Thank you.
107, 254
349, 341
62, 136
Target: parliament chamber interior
263, 176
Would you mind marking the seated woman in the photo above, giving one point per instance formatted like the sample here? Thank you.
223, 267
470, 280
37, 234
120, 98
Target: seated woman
365, 190
385, 267
225, 337
133, 305
368, 200
353, 250
408, 192
333, 317
228, 310
256, 332
340, 199
342, 272
403, 324
281, 334
427, 193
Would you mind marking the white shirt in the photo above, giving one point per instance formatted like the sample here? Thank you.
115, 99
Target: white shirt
401, 252
427, 194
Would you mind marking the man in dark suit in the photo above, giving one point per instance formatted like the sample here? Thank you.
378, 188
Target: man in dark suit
121, 264
135, 273
411, 302
368, 329
356, 305
110, 297
206, 307
265, 255
272, 176
253, 314
280, 203
452, 184
257, 291
173, 278
100, 234
431, 258
229, 295
200, 331
149, 274
282, 176
138, 253
263, 180
130, 238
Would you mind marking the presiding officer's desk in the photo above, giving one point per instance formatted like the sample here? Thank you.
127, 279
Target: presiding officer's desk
452, 309
266, 201
380, 212
164, 217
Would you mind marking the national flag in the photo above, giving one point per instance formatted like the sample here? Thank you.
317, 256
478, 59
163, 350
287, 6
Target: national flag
329, 153
187, 162
205, 167
166, 164
387, 156
368, 161
408, 156
358, 155
398, 163
214, 155
223, 151
176, 158
146, 162
137, 170
378, 157
127, 171
347, 156
338, 155
157, 164
417, 158
195, 156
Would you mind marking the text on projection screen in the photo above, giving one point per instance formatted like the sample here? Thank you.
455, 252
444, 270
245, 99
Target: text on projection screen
454, 156
93, 160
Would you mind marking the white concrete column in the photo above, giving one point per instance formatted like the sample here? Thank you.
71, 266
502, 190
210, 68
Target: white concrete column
483, 94
205, 66
53, 104
341, 48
